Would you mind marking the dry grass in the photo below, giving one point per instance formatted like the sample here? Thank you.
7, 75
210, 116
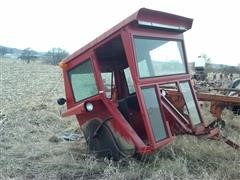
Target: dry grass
30, 147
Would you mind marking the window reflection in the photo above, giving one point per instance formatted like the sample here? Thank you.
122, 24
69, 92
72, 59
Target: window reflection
156, 57
82, 81
154, 113
187, 94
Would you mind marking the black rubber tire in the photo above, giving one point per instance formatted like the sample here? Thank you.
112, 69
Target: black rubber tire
101, 141
236, 110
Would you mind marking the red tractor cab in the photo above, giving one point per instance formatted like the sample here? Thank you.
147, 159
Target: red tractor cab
130, 88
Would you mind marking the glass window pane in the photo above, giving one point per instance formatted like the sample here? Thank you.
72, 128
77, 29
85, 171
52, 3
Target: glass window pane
156, 57
187, 94
154, 113
128, 77
83, 81
107, 81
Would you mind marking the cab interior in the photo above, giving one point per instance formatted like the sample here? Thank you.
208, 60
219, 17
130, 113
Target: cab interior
119, 87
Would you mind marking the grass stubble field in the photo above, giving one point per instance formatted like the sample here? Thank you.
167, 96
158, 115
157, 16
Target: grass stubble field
30, 147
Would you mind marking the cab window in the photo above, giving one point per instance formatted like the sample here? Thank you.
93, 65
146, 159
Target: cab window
129, 80
158, 57
82, 81
108, 82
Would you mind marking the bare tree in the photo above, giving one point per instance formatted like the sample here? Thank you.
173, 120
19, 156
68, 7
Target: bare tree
205, 57
3, 51
28, 55
55, 55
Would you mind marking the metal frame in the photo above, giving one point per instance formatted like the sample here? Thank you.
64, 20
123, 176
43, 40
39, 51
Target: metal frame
105, 108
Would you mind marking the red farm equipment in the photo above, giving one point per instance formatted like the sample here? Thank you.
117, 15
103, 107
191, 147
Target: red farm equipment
130, 88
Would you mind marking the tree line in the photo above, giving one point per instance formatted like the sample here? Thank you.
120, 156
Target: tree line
27, 55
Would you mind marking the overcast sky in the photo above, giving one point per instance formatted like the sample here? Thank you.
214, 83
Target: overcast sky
70, 24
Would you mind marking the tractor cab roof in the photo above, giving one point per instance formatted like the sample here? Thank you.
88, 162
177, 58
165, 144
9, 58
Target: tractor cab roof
143, 17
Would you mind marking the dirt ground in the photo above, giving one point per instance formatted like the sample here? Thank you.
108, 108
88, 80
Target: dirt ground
31, 145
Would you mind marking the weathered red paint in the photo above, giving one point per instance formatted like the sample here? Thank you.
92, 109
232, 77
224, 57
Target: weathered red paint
138, 133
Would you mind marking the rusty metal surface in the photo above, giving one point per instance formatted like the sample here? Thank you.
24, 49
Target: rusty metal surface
215, 97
